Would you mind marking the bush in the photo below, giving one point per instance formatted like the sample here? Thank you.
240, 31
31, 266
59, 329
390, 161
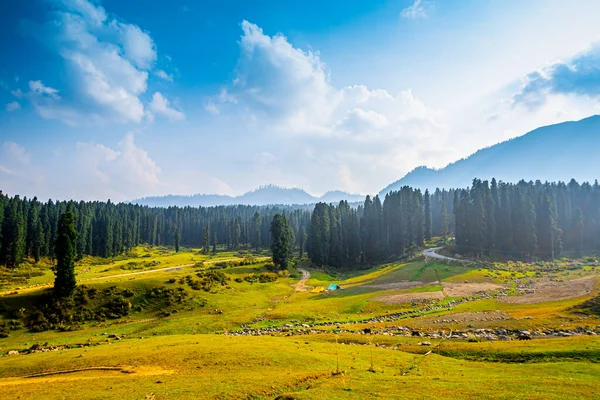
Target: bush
15, 325
4, 329
117, 307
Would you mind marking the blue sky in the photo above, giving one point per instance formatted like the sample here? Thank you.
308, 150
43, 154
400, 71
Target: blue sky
123, 99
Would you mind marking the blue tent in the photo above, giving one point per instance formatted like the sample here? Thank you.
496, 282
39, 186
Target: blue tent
334, 286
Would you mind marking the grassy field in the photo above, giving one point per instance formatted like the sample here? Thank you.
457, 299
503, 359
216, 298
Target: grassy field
195, 340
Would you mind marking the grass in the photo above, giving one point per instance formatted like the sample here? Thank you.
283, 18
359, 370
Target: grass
209, 366
185, 356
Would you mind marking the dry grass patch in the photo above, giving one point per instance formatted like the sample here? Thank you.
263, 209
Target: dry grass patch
547, 291
469, 289
409, 297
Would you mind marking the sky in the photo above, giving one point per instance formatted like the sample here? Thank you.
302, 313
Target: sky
125, 99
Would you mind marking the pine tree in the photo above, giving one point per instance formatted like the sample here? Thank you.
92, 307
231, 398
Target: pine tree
256, 225
12, 250
177, 235
206, 240
301, 242
64, 283
281, 241
427, 203
444, 217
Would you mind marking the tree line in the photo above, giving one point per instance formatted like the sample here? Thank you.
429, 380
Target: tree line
523, 220
30, 229
527, 219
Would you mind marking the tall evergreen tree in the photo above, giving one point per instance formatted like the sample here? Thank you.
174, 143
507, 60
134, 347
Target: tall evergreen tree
12, 250
427, 203
206, 240
64, 283
281, 241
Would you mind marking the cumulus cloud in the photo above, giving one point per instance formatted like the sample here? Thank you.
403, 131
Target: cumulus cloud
419, 9
95, 171
13, 106
283, 91
163, 75
160, 105
579, 76
107, 62
16, 172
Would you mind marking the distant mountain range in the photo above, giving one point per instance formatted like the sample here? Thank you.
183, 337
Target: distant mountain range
551, 153
262, 196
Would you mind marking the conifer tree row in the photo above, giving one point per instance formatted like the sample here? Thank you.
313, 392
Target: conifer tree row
490, 218
528, 219
520, 220
29, 228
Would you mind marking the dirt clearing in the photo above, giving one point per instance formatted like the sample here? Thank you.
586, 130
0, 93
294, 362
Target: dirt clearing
543, 292
469, 289
396, 285
410, 297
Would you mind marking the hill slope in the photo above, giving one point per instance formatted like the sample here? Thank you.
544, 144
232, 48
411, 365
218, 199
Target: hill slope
261, 196
555, 152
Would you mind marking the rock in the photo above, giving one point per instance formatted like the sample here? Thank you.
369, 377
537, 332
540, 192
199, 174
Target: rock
425, 343
13, 353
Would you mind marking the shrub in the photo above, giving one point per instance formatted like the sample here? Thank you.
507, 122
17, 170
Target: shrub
4, 329
117, 307
15, 325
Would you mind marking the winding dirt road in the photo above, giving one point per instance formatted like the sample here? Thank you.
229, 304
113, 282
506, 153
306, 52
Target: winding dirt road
432, 253
301, 285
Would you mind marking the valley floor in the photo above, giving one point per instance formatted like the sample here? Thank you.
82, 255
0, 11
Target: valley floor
414, 329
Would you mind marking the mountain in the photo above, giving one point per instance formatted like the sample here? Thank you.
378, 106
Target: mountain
262, 196
554, 153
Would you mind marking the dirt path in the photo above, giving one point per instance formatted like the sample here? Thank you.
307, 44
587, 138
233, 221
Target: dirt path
432, 253
96, 278
136, 273
301, 285
37, 287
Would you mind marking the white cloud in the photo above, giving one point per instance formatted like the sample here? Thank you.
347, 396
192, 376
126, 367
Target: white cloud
16, 172
160, 105
579, 76
138, 46
107, 61
282, 91
419, 9
15, 153
39, 87
212, 108
13, 106
263, 158
163, 75
17, 93
94, 171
